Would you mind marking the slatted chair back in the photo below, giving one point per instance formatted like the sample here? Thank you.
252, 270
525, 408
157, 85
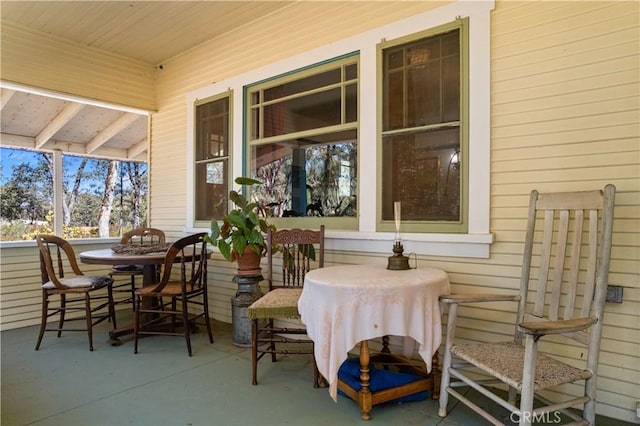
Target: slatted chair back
299, 251
566, 259
186, 261
143, 236
56, 258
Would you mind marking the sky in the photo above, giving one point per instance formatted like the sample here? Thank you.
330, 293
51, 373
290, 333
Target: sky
10, 158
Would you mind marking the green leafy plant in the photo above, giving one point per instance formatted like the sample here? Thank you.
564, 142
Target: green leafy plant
242, 227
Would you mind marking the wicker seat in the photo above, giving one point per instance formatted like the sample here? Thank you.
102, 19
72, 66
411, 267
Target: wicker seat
563, 289
184, 283
81, 297
135, 237
298, 251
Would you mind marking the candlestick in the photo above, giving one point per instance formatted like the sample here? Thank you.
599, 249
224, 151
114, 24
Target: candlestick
396, 217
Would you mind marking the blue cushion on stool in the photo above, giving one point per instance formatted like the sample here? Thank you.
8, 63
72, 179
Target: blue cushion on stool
349, 373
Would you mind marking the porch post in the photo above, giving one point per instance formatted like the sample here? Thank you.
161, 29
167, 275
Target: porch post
58, 214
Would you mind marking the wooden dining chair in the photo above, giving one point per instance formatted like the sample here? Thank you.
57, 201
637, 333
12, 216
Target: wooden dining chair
184, 284
296, 252
134, 238
563, 287
81, 297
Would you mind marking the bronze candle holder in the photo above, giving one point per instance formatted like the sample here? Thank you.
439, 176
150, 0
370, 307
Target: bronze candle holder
398, 262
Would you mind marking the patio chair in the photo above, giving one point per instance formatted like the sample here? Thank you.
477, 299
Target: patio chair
184, 282
133, 238
77, 293
298, 250
563, 287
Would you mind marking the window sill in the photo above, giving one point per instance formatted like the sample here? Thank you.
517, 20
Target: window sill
73, 242
452, 245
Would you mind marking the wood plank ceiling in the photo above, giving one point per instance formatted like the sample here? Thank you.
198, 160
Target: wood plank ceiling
147, 31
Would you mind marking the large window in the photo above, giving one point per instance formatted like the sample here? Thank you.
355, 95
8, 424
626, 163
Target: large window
338, 132
212, 158
303, 143
423, 130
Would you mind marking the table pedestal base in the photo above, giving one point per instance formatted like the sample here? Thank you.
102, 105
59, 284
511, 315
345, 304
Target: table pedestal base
366, 399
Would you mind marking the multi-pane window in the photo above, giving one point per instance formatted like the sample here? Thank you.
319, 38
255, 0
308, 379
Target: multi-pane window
212, 158
302, 137
422, 130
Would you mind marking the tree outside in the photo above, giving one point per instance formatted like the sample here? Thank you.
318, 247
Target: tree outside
101, 198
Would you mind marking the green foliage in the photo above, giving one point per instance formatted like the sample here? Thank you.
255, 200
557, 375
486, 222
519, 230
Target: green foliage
241, 227
28, 194
17, 230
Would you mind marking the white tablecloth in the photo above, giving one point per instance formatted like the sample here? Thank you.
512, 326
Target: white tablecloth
344, 305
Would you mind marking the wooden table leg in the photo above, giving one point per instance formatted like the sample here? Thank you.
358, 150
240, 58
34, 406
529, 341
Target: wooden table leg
364, 395
436, 376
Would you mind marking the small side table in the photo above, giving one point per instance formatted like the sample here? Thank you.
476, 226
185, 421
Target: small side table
248, 292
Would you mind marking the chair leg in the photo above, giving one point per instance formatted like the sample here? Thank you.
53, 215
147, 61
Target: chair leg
43, 320
528, 378
87, 309
185, 323
589, 409
205, 305
254, 351
136, 324
173, 317
133, 292
63, 310
445, 380
112, 307
272, 344
444, 384
316, 373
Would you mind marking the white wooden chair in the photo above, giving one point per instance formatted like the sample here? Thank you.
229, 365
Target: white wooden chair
562, 295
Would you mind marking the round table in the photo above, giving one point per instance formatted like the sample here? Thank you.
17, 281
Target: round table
149, 261
342, 306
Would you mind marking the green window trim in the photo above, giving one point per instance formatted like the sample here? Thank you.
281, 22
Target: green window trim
228, 95
346, 124
432, 226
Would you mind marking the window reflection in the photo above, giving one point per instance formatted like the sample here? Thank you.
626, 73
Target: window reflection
304, 177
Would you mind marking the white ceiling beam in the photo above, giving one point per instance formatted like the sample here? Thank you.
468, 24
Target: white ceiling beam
5, 95
138, 148
70, 98
57, 123
110, 131
25, 142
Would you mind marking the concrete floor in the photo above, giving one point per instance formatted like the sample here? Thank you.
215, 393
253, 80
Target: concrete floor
65, 384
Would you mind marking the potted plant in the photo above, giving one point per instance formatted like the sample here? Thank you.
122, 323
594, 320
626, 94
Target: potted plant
241, 237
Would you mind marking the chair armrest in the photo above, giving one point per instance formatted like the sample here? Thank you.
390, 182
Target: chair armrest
556, 327
474, 298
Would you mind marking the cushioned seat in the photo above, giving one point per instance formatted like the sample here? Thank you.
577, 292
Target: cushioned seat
76, 292
278, 303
